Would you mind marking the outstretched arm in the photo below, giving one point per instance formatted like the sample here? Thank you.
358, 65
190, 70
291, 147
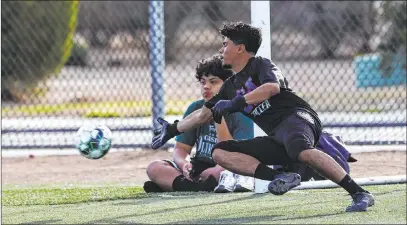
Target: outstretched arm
168, 131
195, 119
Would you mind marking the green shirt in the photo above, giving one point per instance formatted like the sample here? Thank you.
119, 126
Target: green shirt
204, 137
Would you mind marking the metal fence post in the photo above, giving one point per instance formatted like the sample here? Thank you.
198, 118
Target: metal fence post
157, 58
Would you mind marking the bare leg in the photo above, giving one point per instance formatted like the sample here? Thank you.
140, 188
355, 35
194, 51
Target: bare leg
163, 174
235, 162
323, 163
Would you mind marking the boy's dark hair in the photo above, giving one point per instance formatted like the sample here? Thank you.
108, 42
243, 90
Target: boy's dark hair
212, 66
242, 33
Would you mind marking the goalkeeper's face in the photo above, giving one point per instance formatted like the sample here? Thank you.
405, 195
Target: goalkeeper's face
229, 52
210, 86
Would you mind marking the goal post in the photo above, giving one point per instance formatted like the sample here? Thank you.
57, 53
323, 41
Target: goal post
260, 17
157, 58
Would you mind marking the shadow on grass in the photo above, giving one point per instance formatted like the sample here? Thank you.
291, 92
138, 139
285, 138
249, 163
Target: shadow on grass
42, 222
309, 217
236, 220
178, 196
388, 192
249, 219
160, 197
210, 221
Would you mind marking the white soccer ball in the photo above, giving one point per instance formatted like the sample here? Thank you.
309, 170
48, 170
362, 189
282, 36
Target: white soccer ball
93, 141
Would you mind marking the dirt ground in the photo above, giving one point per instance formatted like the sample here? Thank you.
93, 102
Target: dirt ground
128, 168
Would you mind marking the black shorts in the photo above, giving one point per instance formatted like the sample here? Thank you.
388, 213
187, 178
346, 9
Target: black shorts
292, 136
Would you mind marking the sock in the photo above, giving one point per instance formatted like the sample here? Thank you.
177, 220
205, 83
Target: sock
265, 173
350, 186
210, 183
181, 183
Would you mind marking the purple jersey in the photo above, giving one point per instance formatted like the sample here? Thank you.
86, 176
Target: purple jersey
269, 113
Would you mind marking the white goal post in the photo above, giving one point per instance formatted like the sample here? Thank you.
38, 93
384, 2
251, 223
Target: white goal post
260, 17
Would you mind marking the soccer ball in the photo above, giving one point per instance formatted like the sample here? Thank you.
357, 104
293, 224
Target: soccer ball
93, 141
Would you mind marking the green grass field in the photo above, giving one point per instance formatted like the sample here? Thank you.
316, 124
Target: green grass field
121, 205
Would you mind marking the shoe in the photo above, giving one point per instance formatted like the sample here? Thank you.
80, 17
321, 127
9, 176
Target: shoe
244, 184
151, 187
227, 182
284, 182
361, 201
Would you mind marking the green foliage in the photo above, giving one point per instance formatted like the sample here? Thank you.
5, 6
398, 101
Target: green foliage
36, 42
78, 55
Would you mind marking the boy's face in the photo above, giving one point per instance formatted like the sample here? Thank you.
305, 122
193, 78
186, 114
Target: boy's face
210, 86
229, 52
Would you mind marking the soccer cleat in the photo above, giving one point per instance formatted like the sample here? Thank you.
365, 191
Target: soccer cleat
227, 182
244, 184
361, 201
151, 187
284, 182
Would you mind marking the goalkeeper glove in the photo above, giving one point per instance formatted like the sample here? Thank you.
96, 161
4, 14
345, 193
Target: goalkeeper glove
164, 133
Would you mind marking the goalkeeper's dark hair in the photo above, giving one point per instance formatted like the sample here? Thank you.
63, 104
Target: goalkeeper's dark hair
242, 33
212, 66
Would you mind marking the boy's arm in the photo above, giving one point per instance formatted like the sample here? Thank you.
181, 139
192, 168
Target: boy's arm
261, 93
168, 131
270, 78
195, 119
180, 155
201, 116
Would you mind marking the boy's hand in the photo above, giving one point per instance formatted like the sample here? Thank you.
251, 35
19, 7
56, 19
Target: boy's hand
165, 133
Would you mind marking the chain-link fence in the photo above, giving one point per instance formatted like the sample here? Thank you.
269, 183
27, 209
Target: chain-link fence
67, 62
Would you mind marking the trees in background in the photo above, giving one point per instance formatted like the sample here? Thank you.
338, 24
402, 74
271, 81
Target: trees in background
36, 42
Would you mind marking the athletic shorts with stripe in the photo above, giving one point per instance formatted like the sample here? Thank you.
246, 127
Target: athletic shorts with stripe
292, 136
203, 165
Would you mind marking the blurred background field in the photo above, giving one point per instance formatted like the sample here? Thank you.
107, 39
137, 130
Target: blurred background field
94, 61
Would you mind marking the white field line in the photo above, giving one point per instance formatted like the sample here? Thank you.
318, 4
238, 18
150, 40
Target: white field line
261, 186
361, 181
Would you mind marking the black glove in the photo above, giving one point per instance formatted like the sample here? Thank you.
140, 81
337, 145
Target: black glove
165, 133
224, 107
198, 167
